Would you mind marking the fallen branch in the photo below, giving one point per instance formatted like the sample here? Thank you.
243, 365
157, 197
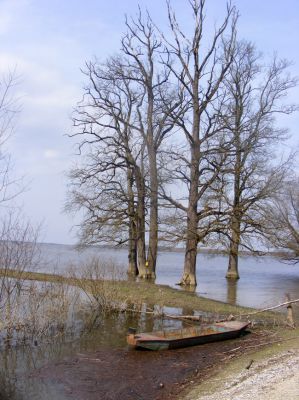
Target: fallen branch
286, 303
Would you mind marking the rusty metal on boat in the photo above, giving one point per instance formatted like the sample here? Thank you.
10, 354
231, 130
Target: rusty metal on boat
191, 336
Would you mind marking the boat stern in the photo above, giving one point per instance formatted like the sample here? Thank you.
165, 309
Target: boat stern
131, 340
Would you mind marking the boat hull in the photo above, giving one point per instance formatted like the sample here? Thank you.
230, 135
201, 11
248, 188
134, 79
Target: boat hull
187, 337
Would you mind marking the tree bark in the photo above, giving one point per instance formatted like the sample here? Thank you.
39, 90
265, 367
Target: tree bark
153, 225
233, 271
189, 273
141, 252
132, 255
152, 157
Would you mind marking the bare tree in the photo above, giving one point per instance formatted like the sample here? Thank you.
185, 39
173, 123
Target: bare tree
199, 67
142, 49
18, 252
256, 95
9, 108
282, 221
109, 185
124, 120
18, 239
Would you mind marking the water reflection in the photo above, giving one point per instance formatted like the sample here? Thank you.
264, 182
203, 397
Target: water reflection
232, 287
8, 386
20, 366
190, 289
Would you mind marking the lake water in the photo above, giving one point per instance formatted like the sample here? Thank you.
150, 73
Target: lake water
264, 280
58, 368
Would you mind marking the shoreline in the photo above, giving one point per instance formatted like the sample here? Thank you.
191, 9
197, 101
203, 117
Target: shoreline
270, 373
161, 249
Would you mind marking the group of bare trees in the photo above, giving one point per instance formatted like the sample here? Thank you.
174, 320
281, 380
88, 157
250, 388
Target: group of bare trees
177, 139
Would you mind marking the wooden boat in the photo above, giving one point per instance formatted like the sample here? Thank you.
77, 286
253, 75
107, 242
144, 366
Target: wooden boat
191, 336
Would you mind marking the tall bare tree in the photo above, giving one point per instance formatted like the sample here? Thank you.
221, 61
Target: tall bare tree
110, 184
124, 120
256, 95
142, 49
199, 65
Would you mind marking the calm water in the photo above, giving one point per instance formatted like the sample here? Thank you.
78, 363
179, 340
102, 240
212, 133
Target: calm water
264, 280
20, 367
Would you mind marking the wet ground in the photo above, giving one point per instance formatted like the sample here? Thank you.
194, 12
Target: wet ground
114, 374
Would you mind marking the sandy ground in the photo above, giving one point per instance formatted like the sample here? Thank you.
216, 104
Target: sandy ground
274, 378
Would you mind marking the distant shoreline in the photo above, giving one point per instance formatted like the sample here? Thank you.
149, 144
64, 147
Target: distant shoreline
276, 254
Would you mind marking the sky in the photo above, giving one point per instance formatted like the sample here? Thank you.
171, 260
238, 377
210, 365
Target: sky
48, 42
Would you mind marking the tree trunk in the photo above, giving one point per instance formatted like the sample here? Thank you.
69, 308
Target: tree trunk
189, 274
152, 156
141, 253
132, 255
153, 225
232, 271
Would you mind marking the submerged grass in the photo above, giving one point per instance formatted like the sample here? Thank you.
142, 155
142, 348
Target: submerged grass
131, 292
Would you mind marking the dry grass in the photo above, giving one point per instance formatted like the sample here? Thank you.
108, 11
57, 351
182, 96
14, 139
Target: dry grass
40, 309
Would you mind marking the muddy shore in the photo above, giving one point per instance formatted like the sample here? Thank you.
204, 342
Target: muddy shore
129, 374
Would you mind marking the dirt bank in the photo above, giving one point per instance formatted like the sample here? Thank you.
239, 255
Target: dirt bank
268, 374
276, 378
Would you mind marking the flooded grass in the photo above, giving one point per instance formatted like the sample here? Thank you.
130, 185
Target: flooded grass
73, 329
144, 292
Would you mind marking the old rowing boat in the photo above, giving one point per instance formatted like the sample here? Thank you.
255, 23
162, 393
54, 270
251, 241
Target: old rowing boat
191, 336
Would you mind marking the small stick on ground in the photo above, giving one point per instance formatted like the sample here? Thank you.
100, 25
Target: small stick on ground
249, 364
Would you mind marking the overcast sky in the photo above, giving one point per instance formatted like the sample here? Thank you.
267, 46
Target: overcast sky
48, 42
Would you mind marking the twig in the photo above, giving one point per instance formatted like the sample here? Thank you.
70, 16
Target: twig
249, 364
